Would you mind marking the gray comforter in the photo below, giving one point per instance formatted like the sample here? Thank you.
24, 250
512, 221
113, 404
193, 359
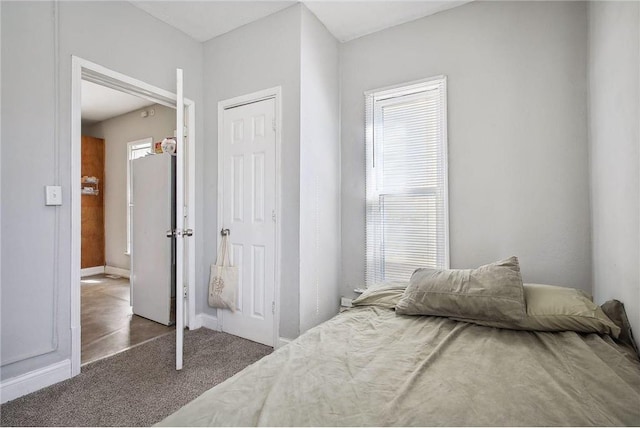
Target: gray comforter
369, 366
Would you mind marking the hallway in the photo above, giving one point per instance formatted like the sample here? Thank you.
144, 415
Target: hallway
108, 324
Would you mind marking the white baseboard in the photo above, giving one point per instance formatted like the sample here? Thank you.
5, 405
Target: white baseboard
91, 271
211, 322
282, 341
110, 270
206, 321
18, 386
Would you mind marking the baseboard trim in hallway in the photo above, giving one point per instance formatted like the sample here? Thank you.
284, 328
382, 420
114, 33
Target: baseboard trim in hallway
110, 270
91, 271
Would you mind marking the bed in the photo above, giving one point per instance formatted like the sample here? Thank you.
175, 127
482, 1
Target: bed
370, 366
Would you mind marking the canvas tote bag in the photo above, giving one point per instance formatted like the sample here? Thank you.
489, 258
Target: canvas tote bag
223, 279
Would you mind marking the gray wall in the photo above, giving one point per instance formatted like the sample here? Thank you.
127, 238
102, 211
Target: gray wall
36, 151
117, 132
614, 110
30, 255
319, 173
518, 177
258, 56
291, 49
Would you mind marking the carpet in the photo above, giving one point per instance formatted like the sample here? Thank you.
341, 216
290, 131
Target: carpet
138, 387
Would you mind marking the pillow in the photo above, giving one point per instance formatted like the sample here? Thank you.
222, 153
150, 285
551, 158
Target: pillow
491, 292
614, 309
384, 294
552, 308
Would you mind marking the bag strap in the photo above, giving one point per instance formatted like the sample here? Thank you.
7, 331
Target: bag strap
223, 258
220, 256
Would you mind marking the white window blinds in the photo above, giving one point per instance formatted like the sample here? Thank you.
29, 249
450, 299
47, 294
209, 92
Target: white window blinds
406, 154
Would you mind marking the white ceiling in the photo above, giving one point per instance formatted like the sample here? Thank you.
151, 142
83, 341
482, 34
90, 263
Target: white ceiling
206, 19
346, 20
101, 103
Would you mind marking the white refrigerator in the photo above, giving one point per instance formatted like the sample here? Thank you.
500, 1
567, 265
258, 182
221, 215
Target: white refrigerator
152, 252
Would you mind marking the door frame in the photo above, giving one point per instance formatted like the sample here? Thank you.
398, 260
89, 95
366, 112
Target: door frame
82, 69
276, 94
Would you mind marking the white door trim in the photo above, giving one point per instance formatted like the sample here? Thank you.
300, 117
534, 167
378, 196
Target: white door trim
87, 70
276, 94
15, 387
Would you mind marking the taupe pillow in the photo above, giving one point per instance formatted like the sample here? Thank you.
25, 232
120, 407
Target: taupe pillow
491, 292
553, 308
385, 294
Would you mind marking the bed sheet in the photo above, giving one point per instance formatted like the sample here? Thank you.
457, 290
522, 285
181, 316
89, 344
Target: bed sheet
371, 367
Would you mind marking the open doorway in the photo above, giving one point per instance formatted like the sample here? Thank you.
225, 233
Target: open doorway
183, 200
118, 129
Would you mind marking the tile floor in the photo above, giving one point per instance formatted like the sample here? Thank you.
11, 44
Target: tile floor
108, 324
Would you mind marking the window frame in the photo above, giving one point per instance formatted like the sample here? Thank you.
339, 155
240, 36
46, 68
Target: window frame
373, 127
131, 147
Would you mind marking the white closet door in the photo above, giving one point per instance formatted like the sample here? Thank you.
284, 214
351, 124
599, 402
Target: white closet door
248, 175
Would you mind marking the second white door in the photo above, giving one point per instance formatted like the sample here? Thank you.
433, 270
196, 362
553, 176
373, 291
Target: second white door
248, 175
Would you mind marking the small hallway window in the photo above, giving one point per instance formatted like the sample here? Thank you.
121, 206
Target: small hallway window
135, 150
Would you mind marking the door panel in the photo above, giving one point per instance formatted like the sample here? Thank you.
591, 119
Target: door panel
151, 258
180, 209
248, 209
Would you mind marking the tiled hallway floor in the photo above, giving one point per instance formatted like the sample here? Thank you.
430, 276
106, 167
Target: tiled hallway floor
108, 324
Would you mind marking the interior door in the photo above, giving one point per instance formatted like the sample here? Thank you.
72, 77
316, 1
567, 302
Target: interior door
151, 217
247, 173
180, 233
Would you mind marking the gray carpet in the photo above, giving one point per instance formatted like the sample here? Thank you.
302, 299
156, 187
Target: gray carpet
138, 387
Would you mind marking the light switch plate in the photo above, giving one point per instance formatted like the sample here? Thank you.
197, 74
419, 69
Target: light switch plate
53, 195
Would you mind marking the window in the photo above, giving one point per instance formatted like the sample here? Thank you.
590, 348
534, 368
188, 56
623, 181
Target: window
135, 150
406, 183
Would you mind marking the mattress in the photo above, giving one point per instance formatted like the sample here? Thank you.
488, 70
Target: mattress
369, 366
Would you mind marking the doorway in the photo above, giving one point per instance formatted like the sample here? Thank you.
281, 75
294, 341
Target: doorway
185, 189
248, 206
112, 126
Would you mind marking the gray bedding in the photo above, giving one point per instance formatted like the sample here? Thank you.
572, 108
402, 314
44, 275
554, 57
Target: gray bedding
369, 366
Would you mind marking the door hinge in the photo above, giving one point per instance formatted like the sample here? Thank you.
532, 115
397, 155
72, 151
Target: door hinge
273, 215
184, 291
273, 307
185, 132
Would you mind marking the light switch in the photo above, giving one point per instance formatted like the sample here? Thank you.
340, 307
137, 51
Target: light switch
53, 195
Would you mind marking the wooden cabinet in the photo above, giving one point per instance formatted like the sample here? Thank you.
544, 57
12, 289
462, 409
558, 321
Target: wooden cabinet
92, 211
